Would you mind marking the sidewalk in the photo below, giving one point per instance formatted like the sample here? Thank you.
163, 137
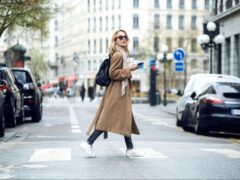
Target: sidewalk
169, 108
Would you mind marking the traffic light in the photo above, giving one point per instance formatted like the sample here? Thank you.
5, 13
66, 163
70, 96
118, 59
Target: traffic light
153, 74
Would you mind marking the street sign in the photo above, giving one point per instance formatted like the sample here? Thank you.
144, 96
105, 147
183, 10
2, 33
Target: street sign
179, 66
179, 54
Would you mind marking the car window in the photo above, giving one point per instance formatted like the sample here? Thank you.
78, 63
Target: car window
229, 87
22, 77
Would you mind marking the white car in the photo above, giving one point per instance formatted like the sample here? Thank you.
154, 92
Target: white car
195, 83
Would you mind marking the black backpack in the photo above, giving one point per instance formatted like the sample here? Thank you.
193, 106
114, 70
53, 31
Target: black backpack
102, 76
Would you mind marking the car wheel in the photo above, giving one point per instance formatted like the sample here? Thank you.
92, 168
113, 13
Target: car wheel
20, 119
199, 127
2, 123
37, 113
185, 121
11, 120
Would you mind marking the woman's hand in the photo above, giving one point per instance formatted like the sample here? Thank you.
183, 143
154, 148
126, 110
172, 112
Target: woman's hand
133, 67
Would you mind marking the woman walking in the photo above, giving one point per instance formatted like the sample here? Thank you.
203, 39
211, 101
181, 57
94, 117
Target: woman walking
115, 110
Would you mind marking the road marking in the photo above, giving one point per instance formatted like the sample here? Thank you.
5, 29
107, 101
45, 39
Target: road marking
74, 120
227, 152
147, 153
163, 123
55, 154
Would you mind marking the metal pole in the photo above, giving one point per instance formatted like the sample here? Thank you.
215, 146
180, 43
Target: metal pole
210, 59
165, 81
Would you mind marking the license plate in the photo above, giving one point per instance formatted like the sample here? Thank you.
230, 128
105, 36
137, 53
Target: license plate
236, 111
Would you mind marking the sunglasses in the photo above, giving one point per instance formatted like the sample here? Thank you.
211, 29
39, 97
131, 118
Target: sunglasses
121, 37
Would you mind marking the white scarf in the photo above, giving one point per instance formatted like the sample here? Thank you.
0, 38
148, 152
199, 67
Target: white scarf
126, 64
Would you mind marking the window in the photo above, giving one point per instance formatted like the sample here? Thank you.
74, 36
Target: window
194, 22
95, 46
135, 21
100, 5
100, 24
89, 24
100, 45
113, 22
237, 57
94, 24
169, 21
89, 65
207, 4
193, 64
227, 55
169, 43
156, 44
181, 4
181, 22
169, 4
119, 22
194, 4
106, 23
113, 5
156, 4
89, 46
106, 4
56, 25
88, 5
181, 42
106, 45
119, 4
56, 41
206, 65
135, 3
194, 45
94, 5
156, 21
135, 44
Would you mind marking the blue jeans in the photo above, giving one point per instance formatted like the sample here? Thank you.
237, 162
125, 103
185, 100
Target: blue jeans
97, 133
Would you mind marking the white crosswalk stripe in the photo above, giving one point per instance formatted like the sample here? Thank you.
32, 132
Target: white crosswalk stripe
226, 152
51, 154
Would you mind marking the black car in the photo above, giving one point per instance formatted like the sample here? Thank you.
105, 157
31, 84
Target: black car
32, 94
2, 100
195, 83
13, 106
217, 107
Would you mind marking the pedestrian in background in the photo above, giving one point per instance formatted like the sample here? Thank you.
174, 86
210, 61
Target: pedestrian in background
91, 93
115, 110
82, 92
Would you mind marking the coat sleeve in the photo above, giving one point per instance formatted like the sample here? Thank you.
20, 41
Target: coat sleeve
116, 72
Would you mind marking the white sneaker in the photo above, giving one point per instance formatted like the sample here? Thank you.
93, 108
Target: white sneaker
133, 153
87, 148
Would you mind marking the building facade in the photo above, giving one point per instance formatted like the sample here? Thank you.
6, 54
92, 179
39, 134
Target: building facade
83, 30
227, 14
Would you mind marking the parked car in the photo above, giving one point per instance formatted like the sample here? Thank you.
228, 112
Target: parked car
217, 107
2, 100
195, 83
13, 106
32, 94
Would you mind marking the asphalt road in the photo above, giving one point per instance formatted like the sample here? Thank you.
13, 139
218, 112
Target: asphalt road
50, 149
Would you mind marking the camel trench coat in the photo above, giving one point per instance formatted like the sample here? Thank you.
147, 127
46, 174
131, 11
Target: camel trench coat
115, 111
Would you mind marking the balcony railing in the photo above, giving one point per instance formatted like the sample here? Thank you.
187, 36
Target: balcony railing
229, 4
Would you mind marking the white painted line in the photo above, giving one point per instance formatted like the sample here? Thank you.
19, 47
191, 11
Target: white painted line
163, 123
74, 120
75, 126
56, 154
147, 153
227, 152
76, 131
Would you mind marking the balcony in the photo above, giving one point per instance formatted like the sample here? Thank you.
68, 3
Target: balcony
229, 4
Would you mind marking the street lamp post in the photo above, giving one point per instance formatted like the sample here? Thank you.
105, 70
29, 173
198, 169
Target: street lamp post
210, 40
164, 58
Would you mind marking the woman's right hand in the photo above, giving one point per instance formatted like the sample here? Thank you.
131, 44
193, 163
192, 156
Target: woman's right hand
133, 67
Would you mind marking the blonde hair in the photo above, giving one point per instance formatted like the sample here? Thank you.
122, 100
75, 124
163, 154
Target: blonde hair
112, 48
